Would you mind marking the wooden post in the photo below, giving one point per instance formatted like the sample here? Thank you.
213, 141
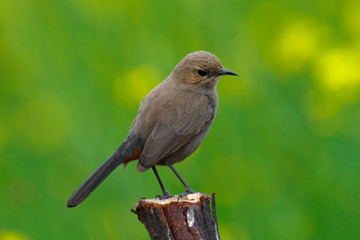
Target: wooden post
189, 217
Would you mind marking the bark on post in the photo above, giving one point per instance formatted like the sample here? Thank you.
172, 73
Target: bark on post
189, 217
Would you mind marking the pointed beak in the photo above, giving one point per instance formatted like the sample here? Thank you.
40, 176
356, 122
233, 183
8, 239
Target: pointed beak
224, 71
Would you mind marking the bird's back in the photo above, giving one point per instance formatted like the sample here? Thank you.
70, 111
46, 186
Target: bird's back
169, 118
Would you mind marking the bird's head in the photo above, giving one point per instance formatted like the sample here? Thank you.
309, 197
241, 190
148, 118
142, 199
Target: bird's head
200, 69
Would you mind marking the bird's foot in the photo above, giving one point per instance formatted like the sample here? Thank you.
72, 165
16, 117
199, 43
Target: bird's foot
165, 195
187, 191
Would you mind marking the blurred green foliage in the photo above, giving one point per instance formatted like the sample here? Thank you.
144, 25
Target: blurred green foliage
283, 154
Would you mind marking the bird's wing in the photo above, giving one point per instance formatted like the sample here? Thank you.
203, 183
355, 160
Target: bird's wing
176, 129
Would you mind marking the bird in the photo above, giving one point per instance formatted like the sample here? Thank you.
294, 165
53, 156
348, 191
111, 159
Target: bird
172, 121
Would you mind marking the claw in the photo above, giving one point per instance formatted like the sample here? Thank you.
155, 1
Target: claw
165, 196
187, 191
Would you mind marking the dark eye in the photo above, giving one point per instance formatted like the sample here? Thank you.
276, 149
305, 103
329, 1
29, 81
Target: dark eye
201, 72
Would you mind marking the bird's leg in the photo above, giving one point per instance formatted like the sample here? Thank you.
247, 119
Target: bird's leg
187, 187
166, 194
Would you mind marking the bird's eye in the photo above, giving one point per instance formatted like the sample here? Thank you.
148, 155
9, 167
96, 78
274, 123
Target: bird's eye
201, 72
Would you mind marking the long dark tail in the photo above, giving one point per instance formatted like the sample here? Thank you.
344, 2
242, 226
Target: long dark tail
126, 150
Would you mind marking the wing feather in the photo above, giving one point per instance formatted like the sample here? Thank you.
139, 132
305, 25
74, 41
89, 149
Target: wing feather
175, 128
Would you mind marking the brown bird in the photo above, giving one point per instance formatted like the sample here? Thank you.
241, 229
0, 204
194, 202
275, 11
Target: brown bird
173, 120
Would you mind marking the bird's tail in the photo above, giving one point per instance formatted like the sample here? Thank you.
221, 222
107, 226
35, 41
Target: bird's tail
123, 153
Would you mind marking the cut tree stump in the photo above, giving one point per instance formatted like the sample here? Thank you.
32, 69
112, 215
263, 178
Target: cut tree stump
189, 217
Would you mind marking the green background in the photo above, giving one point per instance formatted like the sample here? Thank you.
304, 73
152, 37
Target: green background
282, 155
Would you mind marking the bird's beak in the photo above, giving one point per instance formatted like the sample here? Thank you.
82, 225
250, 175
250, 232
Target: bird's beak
224, 71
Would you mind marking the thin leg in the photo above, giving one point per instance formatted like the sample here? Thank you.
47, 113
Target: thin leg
187, 187
166, 194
